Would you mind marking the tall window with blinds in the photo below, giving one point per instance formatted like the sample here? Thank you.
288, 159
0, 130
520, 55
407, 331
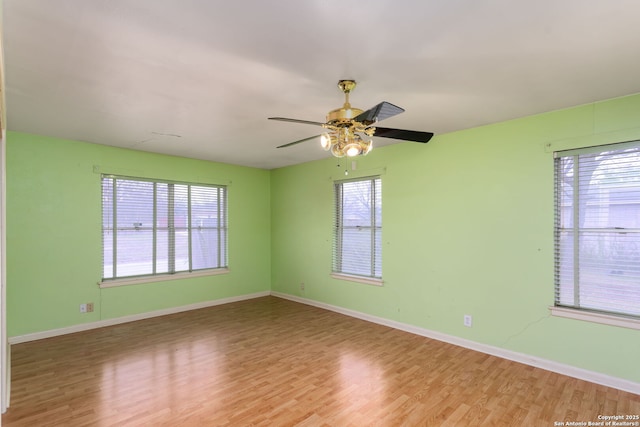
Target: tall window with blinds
357, 246
152, 227
597, 229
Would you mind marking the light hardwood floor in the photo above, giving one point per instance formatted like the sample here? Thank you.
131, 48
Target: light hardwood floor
273, 362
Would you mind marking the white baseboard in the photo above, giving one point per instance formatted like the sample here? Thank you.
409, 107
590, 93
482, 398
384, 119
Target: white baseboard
549, 365
131, 318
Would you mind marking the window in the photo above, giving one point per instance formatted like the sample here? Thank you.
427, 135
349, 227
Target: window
357, 248
152, 227
597, 230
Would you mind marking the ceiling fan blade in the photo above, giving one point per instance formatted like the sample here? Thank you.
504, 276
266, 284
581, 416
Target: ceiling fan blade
298, 141
405, 135
382, 111
304, 122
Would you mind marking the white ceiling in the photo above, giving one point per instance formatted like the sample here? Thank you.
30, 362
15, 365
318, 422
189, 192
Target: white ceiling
198, 78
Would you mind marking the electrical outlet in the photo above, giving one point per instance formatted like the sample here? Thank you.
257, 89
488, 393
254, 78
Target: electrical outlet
89, 307
83, 308
302, 286
468, 320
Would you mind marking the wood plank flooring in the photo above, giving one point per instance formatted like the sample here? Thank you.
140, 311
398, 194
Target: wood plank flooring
273, 362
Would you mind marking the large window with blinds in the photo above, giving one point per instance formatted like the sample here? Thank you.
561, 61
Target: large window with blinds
153, 227
357, 243
597, 229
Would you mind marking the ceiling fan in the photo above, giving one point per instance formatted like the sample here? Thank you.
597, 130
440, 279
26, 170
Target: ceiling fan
349, 130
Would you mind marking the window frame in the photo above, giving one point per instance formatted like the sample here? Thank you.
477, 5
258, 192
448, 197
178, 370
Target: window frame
221, 231
337, 262
574, 310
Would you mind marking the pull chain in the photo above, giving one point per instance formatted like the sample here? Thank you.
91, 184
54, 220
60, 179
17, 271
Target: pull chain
346, 171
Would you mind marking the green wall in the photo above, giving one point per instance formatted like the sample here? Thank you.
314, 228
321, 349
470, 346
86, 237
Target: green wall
54, 236
467, 229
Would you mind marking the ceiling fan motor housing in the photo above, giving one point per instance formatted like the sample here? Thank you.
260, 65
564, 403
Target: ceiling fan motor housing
344, 116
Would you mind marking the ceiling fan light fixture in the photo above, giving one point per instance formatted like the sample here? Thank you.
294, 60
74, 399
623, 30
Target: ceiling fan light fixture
358, 147
337, 149
326, 141
353, 149
345, 142
354, 145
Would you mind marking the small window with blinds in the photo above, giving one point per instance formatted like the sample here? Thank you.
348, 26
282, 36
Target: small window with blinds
357, 243
597, 230
152, 227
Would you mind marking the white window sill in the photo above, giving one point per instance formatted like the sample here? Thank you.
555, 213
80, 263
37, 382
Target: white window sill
606, 319
358, 279
161, 278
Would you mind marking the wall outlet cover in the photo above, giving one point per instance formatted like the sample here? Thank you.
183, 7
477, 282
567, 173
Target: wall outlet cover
468, 320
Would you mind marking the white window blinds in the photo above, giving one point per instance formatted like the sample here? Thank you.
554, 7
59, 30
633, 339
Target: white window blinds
597, 229
357, 243
152, 227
